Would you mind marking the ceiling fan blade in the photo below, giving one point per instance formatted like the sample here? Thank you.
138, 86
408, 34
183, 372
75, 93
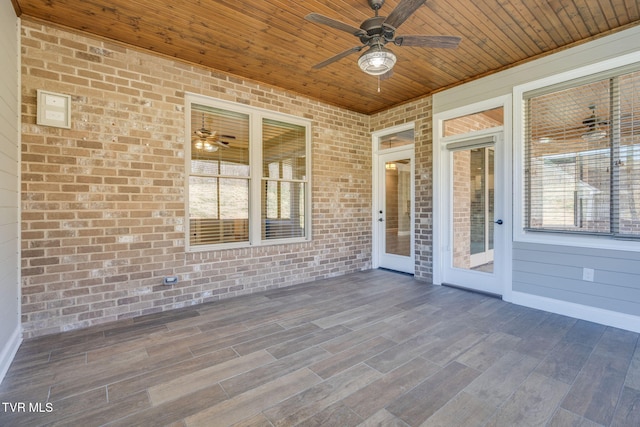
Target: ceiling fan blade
445, 42
205, 133
337, 57
324, 20
403, 10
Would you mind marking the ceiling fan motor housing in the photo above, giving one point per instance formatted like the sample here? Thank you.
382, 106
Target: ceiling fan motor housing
375, 30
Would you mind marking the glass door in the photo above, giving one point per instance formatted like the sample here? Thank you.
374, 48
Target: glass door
473, 216
393, 217
473, 209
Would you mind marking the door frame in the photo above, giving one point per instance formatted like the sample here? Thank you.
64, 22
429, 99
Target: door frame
482, 281
406, 151
442, 193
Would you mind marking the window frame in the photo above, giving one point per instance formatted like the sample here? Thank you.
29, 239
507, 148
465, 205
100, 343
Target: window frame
561, 80
255, 178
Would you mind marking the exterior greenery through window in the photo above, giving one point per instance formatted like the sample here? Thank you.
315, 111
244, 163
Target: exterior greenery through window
582, 156
248, 176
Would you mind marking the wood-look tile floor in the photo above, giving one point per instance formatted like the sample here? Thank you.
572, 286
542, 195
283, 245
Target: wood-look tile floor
368, 349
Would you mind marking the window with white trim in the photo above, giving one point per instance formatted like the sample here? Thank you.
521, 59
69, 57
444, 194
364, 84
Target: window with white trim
249, 180
284, 178
582, 156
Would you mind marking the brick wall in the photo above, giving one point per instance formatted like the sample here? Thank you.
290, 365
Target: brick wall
103, 202
461, 250
418, 111
474, 122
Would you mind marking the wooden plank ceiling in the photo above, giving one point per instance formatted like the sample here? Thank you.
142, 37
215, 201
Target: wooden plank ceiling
271, 42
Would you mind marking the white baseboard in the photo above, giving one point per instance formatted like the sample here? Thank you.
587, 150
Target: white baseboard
8, 352
592, 314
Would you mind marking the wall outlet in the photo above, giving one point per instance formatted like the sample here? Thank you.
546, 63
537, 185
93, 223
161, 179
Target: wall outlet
170, 280
588, 274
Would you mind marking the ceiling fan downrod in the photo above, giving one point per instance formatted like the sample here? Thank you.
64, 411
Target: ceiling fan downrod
376, 5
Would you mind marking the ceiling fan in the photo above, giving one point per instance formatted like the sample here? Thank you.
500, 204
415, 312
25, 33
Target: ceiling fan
374, 33
204, 139
591, 129
594, 128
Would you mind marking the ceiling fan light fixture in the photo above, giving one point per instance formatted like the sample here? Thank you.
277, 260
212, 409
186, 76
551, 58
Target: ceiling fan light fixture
594, 135
377, 60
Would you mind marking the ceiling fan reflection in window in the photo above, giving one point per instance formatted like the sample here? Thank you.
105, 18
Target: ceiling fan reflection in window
591, 129
376, 32
206, 140
596, 127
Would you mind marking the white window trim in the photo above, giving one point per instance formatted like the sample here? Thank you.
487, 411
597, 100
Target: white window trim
564, 239
256, 115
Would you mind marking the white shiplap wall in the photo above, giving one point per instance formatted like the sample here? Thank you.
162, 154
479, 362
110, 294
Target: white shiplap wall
10, 336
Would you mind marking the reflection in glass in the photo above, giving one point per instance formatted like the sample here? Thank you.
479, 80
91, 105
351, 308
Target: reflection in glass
219, 210
473, 209
398, 207
284, 180
219, 176
474, 122
398, 139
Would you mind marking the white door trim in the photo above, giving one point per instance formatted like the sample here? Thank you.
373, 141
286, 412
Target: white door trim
441, 192
409, 152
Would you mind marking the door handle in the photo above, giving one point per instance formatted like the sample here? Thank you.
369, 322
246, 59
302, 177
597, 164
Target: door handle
380, 220
499, 222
